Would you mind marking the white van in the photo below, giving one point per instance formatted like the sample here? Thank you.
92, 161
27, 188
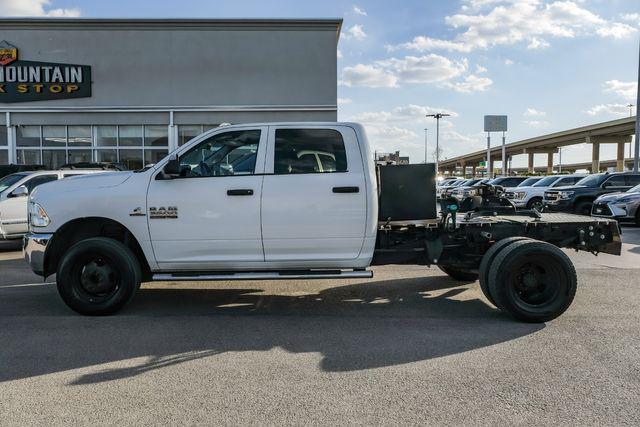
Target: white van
14, 190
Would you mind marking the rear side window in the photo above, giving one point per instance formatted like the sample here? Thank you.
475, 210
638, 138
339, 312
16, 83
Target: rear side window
633, 180
615, 181
567, 181
300, 151
39, 180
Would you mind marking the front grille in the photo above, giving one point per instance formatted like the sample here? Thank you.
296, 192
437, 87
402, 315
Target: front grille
601, 209
510, 195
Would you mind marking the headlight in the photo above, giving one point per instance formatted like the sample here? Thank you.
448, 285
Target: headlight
38, 216
521, 195
565, 194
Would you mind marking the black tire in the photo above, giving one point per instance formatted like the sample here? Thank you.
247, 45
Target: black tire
459, 274
98, 276
638, 216
533, 281
487, 261
536, 203
583, 208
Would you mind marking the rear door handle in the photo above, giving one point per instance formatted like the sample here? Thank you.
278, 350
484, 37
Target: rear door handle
240, 192
346, 189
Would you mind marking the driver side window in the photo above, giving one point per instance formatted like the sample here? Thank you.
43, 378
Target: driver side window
224, 154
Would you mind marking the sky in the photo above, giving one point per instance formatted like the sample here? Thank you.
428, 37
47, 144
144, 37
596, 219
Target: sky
549, 65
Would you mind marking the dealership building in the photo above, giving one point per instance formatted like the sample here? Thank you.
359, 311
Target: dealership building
131, 90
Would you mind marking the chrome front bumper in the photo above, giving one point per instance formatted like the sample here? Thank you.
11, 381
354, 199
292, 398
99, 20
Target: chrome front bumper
34, 246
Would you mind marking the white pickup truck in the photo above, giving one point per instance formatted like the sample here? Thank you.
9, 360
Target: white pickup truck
286, 201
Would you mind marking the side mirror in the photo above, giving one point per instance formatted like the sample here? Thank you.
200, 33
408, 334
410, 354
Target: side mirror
21, 191
172, 168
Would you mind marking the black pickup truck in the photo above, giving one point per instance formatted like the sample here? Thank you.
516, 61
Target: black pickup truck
579, 198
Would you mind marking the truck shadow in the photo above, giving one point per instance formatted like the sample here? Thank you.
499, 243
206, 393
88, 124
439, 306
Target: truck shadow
353, 327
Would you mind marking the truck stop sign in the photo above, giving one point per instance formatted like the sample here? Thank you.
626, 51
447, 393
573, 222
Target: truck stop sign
495, 123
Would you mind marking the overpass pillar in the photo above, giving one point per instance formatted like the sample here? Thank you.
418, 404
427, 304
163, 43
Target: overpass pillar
620, 157
550, 163
491, 169
531, 163
595, 157
464, 169
473, 171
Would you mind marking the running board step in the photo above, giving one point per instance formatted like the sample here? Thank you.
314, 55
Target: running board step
266, 275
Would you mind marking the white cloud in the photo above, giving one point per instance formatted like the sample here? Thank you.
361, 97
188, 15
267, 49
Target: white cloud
511, 22
480, 69
34, 8
634, 18
425, 69
344, 101
616, 30
471, 83
627, 90
508, 62
537, 43
537, 123
410, 113
356, 32
368, 76
359, 11
339, 54
532, 112
610, 109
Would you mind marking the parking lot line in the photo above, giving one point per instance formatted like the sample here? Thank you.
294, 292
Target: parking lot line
27, 285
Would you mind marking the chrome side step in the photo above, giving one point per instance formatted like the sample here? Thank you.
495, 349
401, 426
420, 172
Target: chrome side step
265, 275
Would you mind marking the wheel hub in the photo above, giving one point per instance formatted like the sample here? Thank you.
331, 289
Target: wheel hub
97, 277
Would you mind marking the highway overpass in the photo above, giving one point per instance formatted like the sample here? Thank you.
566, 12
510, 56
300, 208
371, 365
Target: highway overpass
612, 132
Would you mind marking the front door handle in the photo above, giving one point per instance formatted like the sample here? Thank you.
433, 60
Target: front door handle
240, 192
346, 189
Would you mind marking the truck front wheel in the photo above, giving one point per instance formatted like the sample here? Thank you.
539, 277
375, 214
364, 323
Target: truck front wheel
584, 208
459, 274
98, 276
533, 281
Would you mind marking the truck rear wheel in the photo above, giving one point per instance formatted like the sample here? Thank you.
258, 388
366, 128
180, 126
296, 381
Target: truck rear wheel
459, 274
533, 281
98, 276
487, 261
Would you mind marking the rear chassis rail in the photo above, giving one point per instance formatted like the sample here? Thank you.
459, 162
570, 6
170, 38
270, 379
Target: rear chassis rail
464, 244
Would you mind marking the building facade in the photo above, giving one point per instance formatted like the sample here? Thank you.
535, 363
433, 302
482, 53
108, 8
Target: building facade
131, 90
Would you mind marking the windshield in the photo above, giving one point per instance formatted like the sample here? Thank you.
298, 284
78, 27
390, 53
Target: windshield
591, 180
9, 180
547, 181
635, 189
529, 181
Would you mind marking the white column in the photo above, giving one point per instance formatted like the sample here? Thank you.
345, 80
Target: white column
172, 133
11, 139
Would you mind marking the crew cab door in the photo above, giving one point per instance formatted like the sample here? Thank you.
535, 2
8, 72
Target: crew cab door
313, 195
209, 217
13, 210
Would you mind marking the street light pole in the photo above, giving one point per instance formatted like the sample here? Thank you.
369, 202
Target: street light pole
425, 145
637, 145
438, 116
630, 114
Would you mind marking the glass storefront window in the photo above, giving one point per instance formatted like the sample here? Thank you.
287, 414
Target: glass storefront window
28, 157
106, 136
79, 156
132, 159
154, 156
79, 136
130, 136
156, 136
53, 159
186, 132
107, 156
54, 136
28, 136
3, 136
4, 157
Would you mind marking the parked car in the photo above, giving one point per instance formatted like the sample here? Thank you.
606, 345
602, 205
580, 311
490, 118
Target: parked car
508, 181
579, 198
530, 197
114, 166
530, 181
14, 190
466, 188
621, 206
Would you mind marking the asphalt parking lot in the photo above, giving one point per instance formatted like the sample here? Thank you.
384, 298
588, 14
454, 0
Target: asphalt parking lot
410, 346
